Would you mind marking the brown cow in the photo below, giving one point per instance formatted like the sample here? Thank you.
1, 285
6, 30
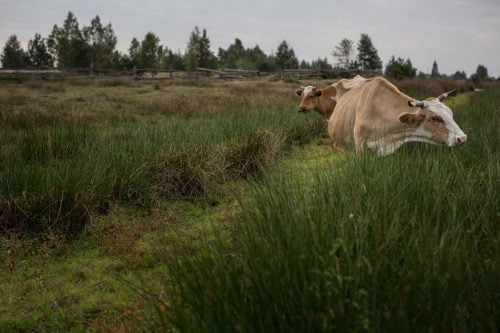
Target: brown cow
376, 115
324, 100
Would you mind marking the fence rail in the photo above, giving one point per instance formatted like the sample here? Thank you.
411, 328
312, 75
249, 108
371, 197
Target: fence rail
163, 74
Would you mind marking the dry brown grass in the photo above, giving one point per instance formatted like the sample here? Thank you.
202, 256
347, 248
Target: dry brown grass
40, 103
434, 87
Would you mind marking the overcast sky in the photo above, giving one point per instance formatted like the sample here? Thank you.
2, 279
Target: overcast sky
458, 34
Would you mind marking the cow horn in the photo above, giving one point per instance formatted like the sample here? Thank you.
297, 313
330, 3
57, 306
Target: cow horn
416, 104
445, 95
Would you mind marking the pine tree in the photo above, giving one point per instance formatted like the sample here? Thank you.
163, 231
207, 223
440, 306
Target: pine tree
435, 71
482, 72
198, 52
13, 56
368, 58
344, 52
38, 54
285, 56
400, 68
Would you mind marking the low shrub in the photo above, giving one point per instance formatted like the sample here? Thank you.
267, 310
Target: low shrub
54, 214
248, 157
184, 174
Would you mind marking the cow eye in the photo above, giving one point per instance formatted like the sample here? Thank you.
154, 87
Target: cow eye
437, 119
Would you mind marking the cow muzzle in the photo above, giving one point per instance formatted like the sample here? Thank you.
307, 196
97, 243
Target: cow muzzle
461, 140
302, 110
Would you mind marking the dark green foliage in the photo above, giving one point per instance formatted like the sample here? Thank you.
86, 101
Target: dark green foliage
368, 58
435, 71
38, 53
237, 57
400, 68
135, 53
198, 53
459, 75
68, 44
321, 64
150, 52
480, 75
173, 60
285, 56
13, 56
229, 58
102, 42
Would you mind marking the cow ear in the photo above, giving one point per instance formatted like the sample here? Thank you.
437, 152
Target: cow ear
411, 118
298, 92
319, 92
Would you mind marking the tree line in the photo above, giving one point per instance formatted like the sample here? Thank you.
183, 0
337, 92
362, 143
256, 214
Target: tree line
94, 46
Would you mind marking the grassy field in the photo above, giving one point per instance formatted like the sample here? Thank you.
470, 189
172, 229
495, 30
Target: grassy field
211, 206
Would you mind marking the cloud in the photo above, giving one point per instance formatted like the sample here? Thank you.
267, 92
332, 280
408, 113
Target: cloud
458, 34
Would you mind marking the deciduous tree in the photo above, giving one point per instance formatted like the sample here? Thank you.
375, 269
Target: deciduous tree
38, 53
150, 52
344, 53
67, 44
102, 42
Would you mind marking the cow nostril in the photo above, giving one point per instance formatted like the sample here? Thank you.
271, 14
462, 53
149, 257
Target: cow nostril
461, 140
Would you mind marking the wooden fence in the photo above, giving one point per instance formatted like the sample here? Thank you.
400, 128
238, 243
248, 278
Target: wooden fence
162, 74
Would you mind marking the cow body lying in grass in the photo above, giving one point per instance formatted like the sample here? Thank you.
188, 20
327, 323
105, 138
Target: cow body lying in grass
376, 115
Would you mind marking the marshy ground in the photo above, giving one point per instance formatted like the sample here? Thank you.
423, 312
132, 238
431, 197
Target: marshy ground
210, 206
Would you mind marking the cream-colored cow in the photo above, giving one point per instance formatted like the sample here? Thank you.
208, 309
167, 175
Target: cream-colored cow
376, 115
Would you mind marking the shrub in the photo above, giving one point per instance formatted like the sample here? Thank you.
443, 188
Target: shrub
250, 156
59, 213
185, 174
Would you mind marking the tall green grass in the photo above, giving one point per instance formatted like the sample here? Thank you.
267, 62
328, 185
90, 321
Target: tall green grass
404, 243
54, 177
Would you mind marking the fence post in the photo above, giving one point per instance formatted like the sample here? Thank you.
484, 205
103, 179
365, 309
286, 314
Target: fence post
91, 69
135, 73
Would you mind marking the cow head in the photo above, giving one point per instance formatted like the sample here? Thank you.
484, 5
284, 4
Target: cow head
434, 122
309, 98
